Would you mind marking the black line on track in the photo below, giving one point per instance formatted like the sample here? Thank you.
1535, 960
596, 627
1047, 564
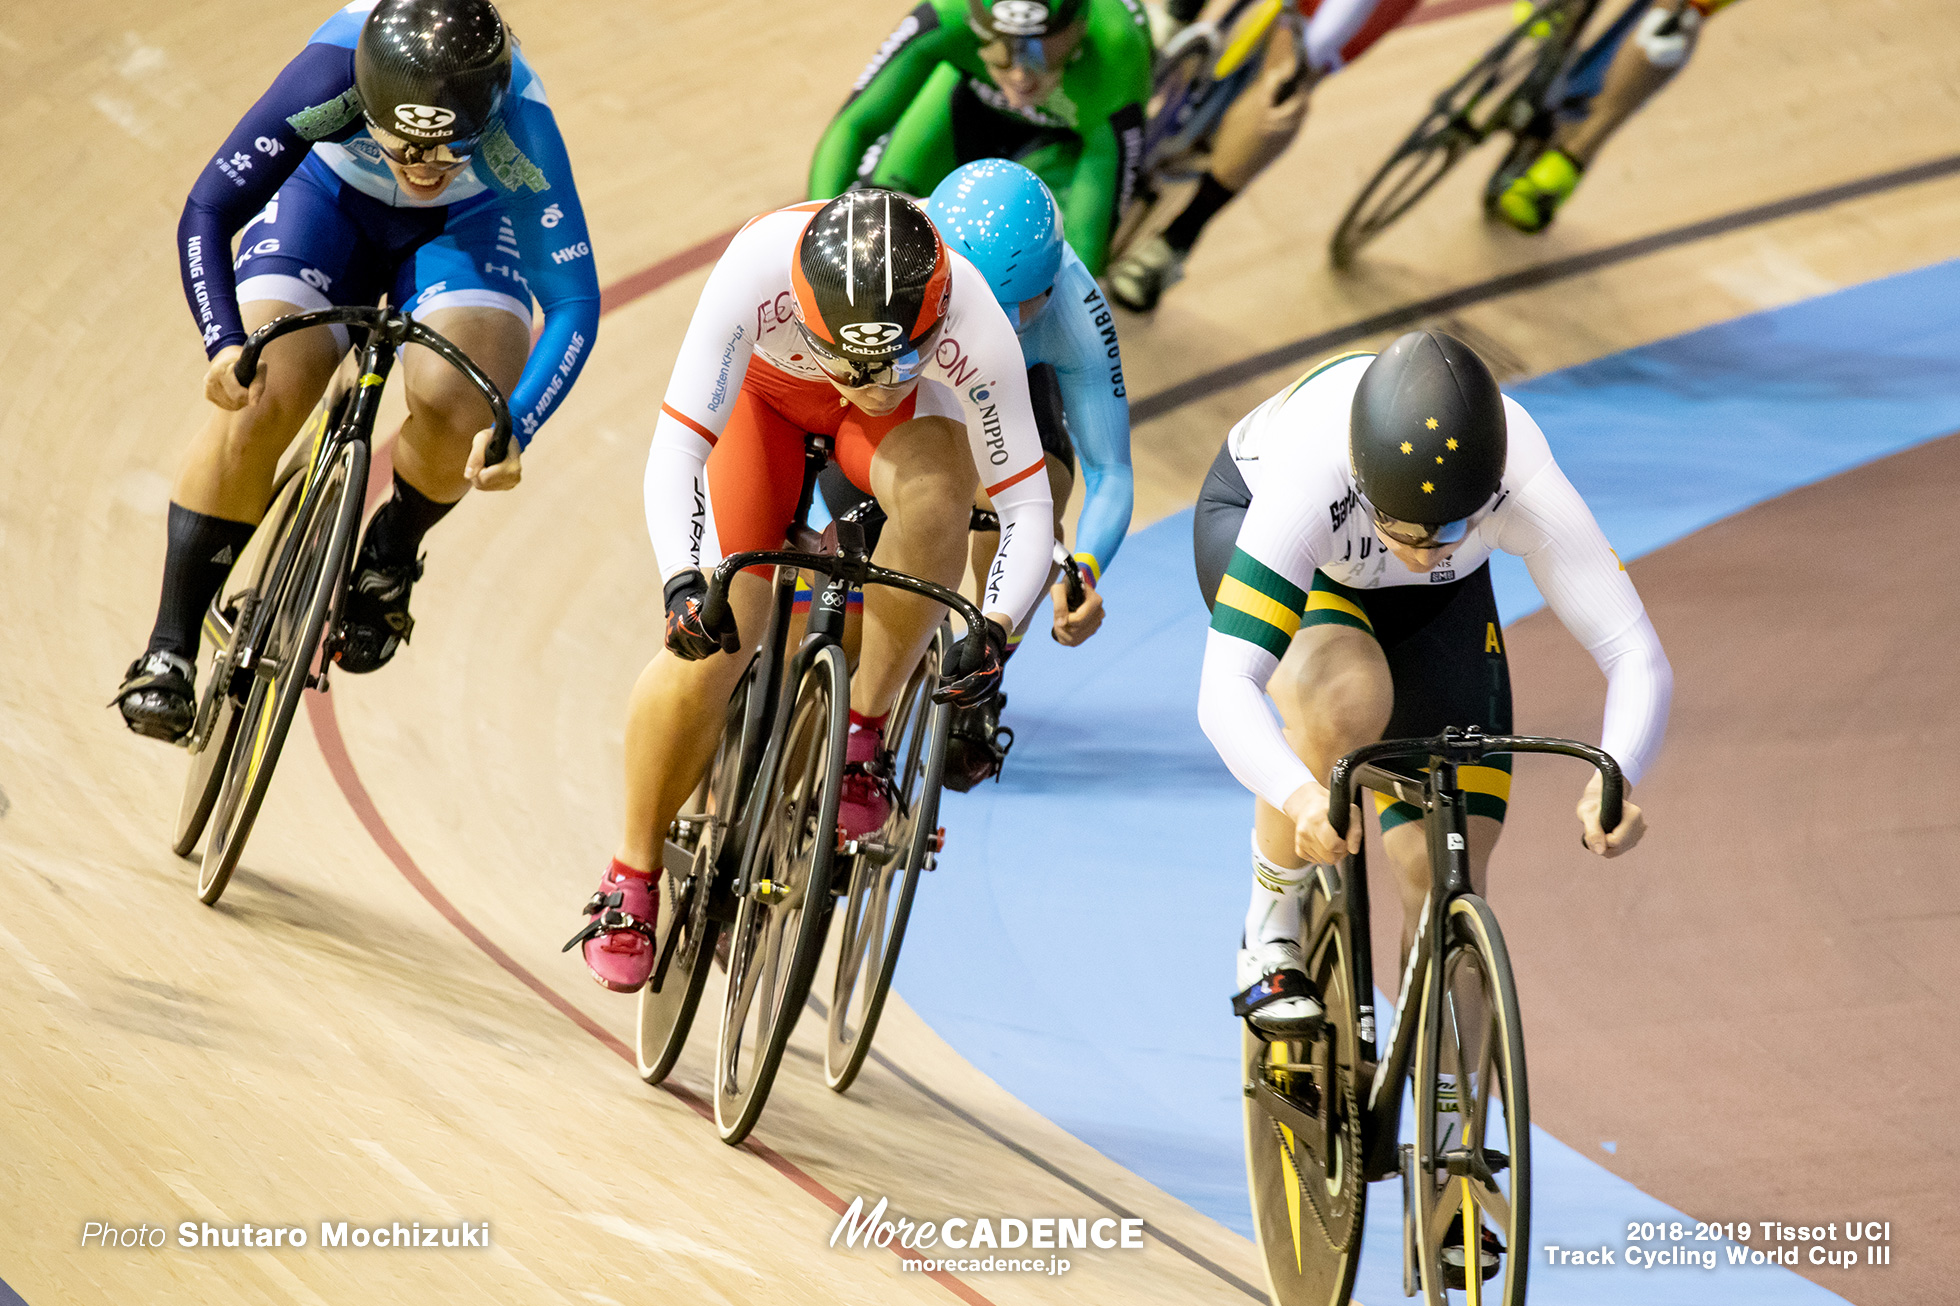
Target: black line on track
1041, 1162
1206, 384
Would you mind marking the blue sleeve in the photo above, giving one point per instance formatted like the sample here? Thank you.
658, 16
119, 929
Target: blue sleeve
312, 99
526, 163
1080, 340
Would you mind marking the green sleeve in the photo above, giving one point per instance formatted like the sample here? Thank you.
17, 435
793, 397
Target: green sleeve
1110, 122
883, 90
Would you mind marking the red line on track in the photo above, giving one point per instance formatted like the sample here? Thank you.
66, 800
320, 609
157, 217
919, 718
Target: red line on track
333, 747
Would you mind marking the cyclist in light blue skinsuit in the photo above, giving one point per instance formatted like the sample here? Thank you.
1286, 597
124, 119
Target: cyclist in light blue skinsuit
1002, 218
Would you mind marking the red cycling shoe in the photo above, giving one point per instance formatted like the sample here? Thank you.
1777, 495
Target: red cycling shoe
619, 928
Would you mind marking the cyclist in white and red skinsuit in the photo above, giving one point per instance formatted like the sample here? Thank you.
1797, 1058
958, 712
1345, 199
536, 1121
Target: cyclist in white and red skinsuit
937, 414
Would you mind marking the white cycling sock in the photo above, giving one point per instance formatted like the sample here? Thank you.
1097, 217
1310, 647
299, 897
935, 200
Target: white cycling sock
1274, 913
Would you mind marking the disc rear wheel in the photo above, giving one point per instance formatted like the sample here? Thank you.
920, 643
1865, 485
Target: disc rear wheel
1303, 1132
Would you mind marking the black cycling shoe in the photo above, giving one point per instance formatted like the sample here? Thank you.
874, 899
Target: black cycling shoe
976, 745
158, 697
1490, 1253
376, 621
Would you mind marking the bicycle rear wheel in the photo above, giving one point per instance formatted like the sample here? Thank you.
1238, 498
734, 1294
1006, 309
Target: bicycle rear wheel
684, 949
778, 933
1500, 92
328, 519
1480, 1144
1303, 1146
884, 879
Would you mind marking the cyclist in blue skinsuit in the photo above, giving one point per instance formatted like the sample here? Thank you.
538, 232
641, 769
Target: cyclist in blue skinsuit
408, 150
1003, 219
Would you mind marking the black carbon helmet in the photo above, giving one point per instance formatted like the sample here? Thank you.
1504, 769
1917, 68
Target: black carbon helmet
1426, 435
871, 280
433, 72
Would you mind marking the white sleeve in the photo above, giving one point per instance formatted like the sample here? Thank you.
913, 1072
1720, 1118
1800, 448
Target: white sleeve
1239, 719
979, 360
1550, 527
708, 373
1286, 533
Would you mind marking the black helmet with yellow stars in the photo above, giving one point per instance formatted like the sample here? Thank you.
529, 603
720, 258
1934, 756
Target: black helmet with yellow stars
1426, 435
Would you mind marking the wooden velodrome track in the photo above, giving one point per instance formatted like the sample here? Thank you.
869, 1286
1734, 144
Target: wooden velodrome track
328, 1043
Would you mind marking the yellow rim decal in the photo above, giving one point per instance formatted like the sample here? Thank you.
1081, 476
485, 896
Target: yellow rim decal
1473, 1248
1249, 37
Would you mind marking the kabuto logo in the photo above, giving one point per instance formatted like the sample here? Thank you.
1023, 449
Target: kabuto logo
1020, 17
422, 119
872, 337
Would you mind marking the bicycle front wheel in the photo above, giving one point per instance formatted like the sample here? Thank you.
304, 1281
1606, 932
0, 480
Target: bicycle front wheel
1500, 92
327, 521
779, 925
885, 877
685, 946
225, 627
1303, 1143
1472, 1168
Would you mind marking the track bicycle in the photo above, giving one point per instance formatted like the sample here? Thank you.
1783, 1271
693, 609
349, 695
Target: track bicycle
757, 853
1533, 79
1197, 76
1323, 1113
277, 617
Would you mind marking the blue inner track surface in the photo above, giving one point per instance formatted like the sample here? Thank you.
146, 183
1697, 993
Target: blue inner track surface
1077, 941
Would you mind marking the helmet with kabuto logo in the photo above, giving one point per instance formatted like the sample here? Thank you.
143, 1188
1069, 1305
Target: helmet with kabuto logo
871, 280
433, 72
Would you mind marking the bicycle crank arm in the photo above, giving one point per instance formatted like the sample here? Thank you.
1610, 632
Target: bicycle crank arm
1305, 1127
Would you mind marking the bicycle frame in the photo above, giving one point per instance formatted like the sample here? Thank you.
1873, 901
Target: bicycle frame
1443, 810
386, 331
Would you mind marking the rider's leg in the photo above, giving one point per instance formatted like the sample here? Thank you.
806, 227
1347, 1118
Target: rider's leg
1334, 693
221, 492
1255, 130
922, 474
444, 414
673, 726
1646, 61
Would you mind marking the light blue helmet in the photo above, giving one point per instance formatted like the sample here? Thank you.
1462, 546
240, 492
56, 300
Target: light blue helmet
1001, 217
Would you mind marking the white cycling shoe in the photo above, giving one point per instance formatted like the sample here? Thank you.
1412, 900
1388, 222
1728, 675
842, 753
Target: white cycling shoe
1276, 997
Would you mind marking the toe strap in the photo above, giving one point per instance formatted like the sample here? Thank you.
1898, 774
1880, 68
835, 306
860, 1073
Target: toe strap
1276, 987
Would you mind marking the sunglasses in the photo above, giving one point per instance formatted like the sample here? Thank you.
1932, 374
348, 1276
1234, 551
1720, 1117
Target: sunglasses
1035, 54
856, 374
1422, 535
447, 156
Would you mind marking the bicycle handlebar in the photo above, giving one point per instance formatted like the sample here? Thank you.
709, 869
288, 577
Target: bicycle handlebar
1472, 746
858, 570
395, 328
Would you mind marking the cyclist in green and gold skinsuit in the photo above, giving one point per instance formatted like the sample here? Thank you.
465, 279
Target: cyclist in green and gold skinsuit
1058, 87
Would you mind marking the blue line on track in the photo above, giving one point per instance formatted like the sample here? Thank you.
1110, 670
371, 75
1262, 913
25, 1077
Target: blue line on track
1076, 943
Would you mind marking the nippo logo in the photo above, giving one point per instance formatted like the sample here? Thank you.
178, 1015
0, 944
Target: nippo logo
872, 337
1020, 17
422, 119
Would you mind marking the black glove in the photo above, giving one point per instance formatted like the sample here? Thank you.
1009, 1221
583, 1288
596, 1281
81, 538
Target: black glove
688, 633
969, 683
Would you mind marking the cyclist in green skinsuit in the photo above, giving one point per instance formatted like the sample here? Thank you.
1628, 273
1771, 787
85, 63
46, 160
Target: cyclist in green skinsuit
1058, 87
